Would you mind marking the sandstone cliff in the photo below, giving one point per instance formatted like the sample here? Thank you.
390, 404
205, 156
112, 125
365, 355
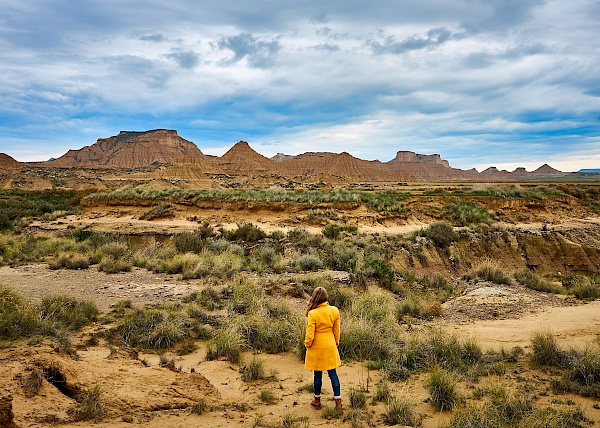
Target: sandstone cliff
130, 150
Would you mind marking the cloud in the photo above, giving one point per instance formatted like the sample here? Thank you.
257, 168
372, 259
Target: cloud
186, 59
155, 38
259, 53
478, 81
433, 37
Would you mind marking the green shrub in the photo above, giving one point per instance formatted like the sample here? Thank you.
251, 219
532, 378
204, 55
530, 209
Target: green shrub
442, 389
18, 317
246, 232
267, 396
465, 213
310, 262
331, 231
383, 391
554, 418
358, 397
531, 280
200, 407
110, 265
586, 289
70, 261
342, 258
441, 233
380, 270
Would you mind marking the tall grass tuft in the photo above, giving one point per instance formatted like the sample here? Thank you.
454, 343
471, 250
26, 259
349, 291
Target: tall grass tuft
254, 370
153, 328
68, 312
442, 389
488, 271
545, 349
89, 406
533, 281
400, 411
226, 343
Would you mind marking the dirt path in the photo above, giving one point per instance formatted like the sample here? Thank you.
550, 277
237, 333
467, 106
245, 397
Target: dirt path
572, 325
139, 285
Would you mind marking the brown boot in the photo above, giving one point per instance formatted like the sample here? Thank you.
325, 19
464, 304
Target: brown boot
338, 403
316, 403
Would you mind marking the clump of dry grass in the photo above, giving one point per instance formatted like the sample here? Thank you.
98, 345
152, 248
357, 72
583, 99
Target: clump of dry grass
89, 406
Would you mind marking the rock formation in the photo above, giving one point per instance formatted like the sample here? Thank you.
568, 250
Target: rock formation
6, 162
6, 413
406, 156
130, 150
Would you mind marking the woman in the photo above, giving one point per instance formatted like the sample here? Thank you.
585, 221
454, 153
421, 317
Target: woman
321, 341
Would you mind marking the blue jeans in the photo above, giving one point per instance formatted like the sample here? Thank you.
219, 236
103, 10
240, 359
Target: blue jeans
335, 382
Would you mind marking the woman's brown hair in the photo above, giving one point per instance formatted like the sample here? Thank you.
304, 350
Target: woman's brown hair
319, 296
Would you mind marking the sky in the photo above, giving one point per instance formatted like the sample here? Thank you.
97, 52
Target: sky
505, 83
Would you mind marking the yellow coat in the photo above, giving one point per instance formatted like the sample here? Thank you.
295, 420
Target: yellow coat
322, 338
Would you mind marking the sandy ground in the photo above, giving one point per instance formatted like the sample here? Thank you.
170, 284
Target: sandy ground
152, 396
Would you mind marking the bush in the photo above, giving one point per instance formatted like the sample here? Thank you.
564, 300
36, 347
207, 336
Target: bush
331, 231
246, 232
441, 233
200, 407
158, 211
342, 258
70, 261
380, 270
383, 391
586, 289
267, 396
309, 262
442, 388
18, 317
226, 343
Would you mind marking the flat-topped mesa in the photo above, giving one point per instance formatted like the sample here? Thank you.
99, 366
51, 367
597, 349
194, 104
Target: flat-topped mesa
407, 156
131, 149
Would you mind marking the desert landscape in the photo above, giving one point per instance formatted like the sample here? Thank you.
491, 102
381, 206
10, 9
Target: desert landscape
145, 283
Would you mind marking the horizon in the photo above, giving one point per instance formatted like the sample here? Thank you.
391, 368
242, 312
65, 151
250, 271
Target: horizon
320, 151
505, 84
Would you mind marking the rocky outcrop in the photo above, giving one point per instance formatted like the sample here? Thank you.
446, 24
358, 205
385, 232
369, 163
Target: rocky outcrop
547, 170
242, 158
406, 156
6, 412
543, 171
131, 150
